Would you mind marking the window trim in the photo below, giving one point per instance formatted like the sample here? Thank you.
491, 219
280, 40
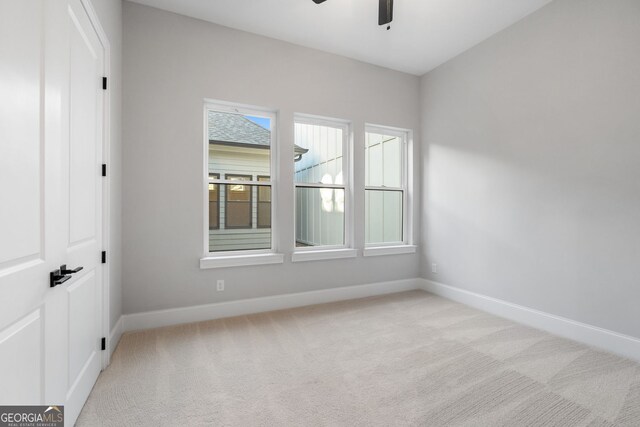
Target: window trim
347, 178
250, 256
227, 188
241, 259
323, 254
389, 250
397, 247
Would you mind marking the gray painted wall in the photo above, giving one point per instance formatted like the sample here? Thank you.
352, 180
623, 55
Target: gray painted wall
110, 16
171, 64
531, 162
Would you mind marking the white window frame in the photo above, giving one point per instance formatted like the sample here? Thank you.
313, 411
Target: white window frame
250, 256
404, 246
345, 250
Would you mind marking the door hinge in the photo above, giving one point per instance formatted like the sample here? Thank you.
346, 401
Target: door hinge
103, 343
104, 169
104, 83
104, 257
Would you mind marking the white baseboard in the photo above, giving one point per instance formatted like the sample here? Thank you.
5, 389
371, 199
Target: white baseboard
623, 345
115, 335
607, 340
199, 313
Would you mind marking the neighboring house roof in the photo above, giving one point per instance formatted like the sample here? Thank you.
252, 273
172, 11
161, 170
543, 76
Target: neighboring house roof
235, 129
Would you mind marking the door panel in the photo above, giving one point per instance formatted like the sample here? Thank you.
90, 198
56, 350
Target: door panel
21, 369
83, 334
83, 97
21, 216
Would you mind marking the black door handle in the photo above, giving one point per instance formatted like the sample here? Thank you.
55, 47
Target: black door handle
64, 271
57, 278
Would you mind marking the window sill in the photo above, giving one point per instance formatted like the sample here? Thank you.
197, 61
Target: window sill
389, 250
240, 260
323, 255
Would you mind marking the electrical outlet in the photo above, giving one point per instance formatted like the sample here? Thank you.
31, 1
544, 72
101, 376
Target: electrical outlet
434, 268
220, 285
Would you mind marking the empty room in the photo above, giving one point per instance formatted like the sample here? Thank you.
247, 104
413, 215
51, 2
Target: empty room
320, 213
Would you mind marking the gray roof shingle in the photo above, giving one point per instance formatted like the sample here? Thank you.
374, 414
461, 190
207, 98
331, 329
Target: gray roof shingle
235, 128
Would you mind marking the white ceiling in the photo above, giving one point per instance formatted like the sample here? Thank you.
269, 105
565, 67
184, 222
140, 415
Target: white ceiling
423, 35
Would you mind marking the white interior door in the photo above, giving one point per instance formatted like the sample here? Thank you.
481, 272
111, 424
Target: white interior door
51, 141
82, 193
28, 187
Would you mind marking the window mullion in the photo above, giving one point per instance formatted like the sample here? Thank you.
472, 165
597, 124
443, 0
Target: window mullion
241, 182
330, 186
370, 187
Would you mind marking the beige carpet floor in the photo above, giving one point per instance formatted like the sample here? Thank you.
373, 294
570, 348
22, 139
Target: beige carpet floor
404, 359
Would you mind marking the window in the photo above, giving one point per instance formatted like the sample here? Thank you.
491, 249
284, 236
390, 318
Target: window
239, 167
385, 186
214, 202
264, 204
321, 171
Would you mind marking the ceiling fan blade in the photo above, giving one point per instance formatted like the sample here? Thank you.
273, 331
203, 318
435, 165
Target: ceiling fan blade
385, 12
318, 1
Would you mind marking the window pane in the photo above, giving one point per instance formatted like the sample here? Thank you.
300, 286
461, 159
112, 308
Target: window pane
234, 233
239, 144
238, 210
383, 160
319, 216
318, 154
383, 219
264, 204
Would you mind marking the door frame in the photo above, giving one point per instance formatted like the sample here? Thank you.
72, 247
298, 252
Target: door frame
106, 181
